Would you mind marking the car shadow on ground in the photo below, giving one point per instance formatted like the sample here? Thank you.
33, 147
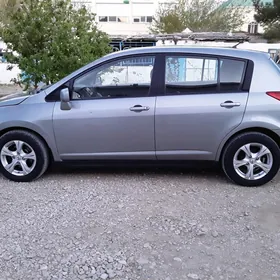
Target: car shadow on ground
197, 171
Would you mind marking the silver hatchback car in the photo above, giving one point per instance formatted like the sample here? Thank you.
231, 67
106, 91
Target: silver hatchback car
158, 104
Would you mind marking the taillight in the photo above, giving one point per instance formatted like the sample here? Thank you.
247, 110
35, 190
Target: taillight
274, 94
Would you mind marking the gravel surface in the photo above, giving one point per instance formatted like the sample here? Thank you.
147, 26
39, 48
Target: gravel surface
145, 224
158, 224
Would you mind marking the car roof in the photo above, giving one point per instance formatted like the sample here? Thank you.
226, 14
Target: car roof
222, 51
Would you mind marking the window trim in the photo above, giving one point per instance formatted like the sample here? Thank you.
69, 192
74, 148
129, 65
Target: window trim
246, 79
157, 87
152, 92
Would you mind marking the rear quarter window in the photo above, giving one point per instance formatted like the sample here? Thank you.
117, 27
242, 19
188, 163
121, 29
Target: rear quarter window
276, 66
231, 74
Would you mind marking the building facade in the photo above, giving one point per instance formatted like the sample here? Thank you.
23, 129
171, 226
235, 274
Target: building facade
133, 17
250, 25
123, 17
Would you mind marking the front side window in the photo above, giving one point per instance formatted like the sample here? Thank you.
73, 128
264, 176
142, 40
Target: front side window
130, 77
200, 74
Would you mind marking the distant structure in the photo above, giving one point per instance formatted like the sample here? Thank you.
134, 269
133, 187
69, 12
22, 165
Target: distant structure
134, 17
146, 40
250, 25
125, 17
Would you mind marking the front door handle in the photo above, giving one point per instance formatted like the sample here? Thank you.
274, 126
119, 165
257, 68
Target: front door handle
230, 104
139, 108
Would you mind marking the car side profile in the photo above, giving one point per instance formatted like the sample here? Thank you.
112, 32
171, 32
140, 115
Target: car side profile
151, 104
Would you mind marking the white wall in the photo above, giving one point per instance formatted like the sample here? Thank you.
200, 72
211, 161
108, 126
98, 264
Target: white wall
126, 29
116, 8
7, 75
249, 13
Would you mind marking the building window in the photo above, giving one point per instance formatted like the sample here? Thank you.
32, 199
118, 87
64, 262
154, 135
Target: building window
122, 19
103, 19
143, 19
253, 28
112, 19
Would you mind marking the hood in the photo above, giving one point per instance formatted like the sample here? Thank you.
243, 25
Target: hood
13, 99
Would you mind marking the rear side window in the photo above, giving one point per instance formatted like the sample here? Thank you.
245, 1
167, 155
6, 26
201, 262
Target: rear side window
185, 75
231, 74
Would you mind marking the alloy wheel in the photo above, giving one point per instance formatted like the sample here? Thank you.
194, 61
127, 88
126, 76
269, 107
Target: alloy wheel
18, 158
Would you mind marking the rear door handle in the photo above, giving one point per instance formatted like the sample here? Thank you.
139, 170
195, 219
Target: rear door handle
230, 104
139, 108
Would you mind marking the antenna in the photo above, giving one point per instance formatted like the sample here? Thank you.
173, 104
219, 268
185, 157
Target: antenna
234, 47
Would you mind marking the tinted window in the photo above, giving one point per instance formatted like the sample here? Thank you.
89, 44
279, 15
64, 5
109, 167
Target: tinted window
121, 78
190, 75
197, 74
231, 74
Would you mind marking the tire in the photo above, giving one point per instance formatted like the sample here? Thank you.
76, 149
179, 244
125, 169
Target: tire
30, 145
235, 152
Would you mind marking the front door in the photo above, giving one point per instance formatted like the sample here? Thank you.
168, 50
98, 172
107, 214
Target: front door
201, 105
111, 115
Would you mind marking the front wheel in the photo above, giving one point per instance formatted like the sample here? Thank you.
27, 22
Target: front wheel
251, 159
23, 156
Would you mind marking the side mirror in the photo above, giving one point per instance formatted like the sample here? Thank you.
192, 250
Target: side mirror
65, 99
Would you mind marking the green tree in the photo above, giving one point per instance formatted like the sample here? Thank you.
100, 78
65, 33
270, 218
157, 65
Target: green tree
198, 16
49, 39
8, 7
268, 15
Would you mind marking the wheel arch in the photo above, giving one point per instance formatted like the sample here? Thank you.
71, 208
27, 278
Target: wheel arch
265, 131
8, 129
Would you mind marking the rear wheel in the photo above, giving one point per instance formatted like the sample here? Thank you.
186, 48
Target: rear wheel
23, 156
251, 159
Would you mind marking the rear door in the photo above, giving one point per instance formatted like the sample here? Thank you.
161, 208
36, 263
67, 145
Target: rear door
204, 99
